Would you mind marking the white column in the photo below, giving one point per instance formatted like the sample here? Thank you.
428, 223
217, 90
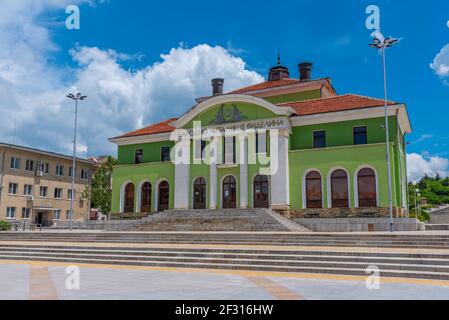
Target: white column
213, 173
280, 181
243, 160
182, 175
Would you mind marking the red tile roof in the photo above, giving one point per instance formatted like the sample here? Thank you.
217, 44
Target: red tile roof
266, 85
301, 108
333, 104
160, 127
282, 83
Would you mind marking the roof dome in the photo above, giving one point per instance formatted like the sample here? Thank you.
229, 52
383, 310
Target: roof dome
278, 72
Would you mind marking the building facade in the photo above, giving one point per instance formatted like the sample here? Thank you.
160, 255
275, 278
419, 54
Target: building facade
287, 144
36, 186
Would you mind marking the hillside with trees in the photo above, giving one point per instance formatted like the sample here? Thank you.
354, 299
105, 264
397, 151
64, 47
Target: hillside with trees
434, 191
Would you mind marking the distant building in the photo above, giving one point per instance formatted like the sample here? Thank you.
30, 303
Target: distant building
35, 186
98, 160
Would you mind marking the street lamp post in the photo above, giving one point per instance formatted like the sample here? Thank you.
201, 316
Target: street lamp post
74, 96
416, 207
419, 205
382, 44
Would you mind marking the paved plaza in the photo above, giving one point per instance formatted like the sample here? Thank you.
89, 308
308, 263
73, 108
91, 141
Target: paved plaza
43, 281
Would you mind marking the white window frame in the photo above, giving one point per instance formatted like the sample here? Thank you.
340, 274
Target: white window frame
11, 213
29, 163
71, 193
28, 215
15, 163
46, 192
15, 188
27, 190
57, 214
60, 193
59, 170
84, 174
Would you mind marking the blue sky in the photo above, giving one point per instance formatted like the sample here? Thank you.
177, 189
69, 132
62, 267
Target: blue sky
331, 34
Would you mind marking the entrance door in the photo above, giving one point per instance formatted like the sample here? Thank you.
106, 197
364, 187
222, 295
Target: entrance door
42, 219
261, 192
229, 193
199, 193
163, 196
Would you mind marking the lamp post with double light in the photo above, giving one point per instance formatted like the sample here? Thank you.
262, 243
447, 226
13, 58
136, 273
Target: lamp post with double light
381, 43
74, 96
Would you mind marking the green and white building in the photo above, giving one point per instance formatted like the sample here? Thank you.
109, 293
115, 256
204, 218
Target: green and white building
327, 152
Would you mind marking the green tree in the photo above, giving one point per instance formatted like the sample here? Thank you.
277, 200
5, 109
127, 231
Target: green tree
100, 191
435, 190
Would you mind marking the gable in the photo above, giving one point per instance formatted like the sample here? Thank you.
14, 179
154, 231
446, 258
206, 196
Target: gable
231, 112
230, 108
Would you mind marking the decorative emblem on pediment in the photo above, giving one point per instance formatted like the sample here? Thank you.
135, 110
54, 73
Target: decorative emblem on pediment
228, 114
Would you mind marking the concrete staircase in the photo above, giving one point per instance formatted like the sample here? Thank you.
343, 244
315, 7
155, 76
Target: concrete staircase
439, 220
281, 259
369, 240
209, 220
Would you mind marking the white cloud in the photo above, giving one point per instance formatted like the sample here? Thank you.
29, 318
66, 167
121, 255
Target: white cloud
33, 91
423, 137
418, 166
440, 63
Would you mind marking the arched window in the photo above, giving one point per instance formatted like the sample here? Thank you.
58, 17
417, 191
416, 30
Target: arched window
314, 193
261, 191
163, 196
199, 193
129, 198
145, 197
366, 182
340, 193
229, 193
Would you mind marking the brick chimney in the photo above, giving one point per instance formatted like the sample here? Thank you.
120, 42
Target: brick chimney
217, 86
305, 71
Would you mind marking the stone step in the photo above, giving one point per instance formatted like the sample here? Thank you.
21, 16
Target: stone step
222, 250
278, 256
277, 261
205, 220
330, 268
411, 237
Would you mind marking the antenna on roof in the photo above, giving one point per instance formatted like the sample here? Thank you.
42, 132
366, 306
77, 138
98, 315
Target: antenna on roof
279, 57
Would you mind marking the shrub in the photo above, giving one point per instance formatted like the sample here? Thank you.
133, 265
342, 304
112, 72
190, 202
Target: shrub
5, 225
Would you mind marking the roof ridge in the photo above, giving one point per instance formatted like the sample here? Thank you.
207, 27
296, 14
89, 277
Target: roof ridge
314, 99
368, 97
334, 97
266, 81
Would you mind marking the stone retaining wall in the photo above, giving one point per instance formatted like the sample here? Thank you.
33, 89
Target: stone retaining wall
342, 213
359, 224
